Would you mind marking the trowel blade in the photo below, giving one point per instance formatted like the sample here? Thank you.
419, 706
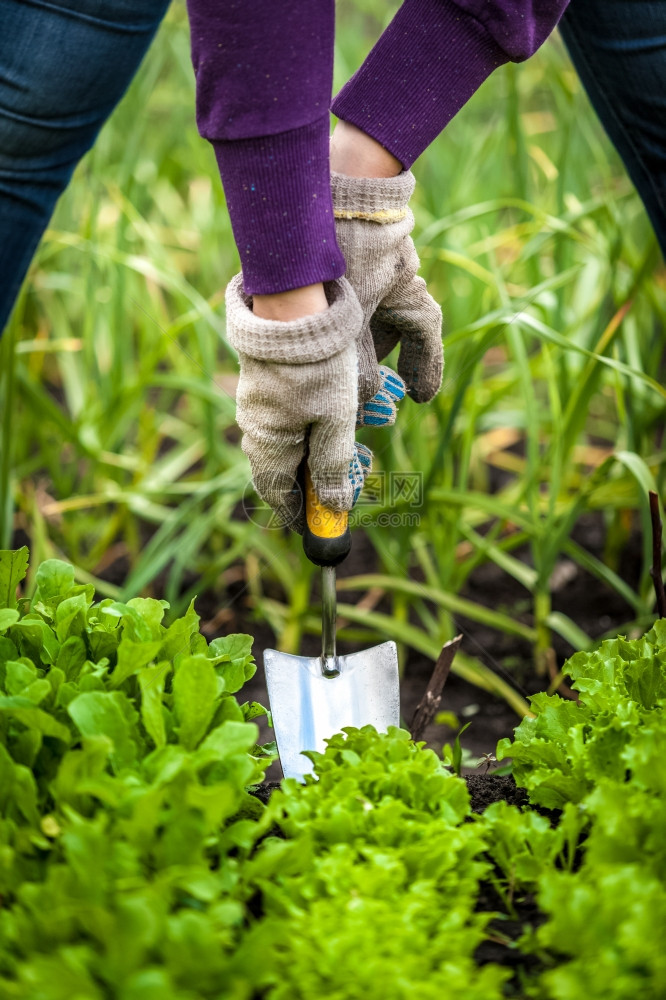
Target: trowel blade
308, 708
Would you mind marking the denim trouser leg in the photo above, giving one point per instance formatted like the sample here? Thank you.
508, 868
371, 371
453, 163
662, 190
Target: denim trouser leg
64, 65
619, 50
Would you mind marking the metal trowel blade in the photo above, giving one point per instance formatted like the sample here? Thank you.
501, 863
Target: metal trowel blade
308, 707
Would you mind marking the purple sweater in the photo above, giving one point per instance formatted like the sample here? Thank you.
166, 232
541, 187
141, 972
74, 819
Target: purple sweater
264, 72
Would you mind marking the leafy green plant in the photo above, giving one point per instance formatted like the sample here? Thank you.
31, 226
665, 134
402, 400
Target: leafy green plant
613, 904
132, 855
453, 755
524, 843
125, 761
602, 762
372, 894
560, 753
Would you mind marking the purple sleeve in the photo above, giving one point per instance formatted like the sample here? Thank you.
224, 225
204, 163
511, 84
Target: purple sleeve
264, 73
519, 27
430, 60
261, 66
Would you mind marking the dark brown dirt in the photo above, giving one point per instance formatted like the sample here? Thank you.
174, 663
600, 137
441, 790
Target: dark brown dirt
575, 593
264, 792
502, 933
485, 789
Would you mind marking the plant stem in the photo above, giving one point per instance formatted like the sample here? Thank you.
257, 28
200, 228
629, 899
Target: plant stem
544, 654
655, 572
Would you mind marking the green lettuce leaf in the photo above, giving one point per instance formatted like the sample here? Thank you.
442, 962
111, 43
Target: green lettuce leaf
13, 567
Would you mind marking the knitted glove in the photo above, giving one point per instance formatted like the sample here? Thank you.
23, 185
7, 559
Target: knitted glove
297, 389
373, 224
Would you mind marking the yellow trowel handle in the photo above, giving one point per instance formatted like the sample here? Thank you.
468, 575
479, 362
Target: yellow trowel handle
326, 536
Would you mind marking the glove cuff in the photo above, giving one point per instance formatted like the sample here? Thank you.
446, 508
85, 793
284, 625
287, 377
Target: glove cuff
375, 199
300, 341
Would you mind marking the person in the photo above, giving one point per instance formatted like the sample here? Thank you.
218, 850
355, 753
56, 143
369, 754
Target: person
329, 280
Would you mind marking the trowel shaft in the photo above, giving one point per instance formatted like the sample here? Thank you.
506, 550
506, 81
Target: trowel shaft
314, 697
329, 660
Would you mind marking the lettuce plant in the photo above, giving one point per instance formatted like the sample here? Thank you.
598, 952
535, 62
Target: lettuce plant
613, 906
373, 891
125, 763
561, 753
602, 761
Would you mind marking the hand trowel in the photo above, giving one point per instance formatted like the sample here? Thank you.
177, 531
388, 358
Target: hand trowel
312, 698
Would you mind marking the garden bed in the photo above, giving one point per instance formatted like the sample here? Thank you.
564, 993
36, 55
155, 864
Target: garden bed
142, 858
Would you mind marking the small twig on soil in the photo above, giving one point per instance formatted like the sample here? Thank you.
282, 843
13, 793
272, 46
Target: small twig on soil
655, 572
426, 708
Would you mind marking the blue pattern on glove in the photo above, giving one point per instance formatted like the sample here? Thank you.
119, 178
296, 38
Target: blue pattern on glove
380, 411
359, 467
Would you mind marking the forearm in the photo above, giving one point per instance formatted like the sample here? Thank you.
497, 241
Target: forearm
431, 59
264, 76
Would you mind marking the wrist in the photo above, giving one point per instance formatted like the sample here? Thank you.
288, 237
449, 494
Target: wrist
305, 340
291, 304
356, 154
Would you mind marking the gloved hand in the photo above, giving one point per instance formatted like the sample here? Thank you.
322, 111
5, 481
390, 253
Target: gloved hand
373, 223
296, 377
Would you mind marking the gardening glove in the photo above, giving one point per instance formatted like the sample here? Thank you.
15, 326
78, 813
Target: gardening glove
373, 223
298, 389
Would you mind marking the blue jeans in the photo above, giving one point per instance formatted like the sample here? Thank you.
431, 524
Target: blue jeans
619, 50
65, 64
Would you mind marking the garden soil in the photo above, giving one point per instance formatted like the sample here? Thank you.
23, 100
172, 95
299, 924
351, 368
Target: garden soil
574, 592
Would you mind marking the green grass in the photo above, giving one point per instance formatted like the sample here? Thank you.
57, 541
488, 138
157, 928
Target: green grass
116, 374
